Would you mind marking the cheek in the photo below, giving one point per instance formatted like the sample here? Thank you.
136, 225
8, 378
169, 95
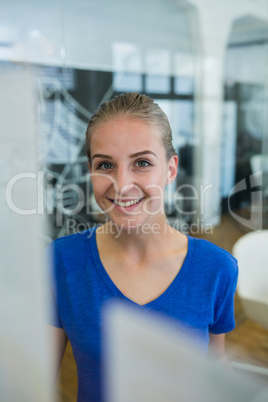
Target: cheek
156, 182
100, 182
155, 192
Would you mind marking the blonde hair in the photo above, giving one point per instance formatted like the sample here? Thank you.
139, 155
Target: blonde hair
135, 105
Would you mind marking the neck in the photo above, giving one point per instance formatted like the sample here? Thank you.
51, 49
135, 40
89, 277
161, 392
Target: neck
139, 237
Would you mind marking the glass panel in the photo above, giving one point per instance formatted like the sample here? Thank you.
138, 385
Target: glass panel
208, 74
245, 105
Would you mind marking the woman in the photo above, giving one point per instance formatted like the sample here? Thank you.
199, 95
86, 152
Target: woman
136, 256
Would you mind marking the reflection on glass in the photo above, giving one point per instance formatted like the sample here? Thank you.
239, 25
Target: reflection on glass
245, 133
84, 53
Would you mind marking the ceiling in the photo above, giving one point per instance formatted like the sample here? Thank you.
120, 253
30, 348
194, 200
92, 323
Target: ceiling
105, 34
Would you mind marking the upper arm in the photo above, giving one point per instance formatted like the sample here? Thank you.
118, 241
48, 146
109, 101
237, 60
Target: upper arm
217, 349
217, 344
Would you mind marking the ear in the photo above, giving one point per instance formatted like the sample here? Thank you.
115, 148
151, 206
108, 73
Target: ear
172, 169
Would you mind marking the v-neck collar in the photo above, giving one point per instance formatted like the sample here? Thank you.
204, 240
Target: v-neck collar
118, 294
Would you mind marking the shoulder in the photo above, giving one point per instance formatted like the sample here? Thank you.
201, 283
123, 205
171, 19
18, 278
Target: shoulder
206, 246
68, 255
73, 244
211, 257
73, 239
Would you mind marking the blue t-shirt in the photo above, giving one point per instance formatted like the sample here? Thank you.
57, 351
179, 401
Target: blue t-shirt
201, 297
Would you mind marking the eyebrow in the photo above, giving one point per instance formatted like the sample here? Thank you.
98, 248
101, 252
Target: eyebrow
131, 156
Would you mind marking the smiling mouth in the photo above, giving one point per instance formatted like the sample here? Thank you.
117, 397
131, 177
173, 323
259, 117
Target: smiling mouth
127, 203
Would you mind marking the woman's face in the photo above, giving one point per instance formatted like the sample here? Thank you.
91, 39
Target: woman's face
129, 171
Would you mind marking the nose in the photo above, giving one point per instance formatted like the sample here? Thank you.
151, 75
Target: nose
123, 181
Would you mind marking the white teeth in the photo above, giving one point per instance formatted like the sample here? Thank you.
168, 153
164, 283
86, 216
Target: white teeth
127, 204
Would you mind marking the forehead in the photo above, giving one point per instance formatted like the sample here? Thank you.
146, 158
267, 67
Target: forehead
128, 131
117, 129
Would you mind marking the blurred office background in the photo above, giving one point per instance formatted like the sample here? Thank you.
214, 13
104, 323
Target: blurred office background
203, 61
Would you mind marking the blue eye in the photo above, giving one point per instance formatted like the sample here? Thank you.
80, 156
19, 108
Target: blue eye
105, 166
143, 163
